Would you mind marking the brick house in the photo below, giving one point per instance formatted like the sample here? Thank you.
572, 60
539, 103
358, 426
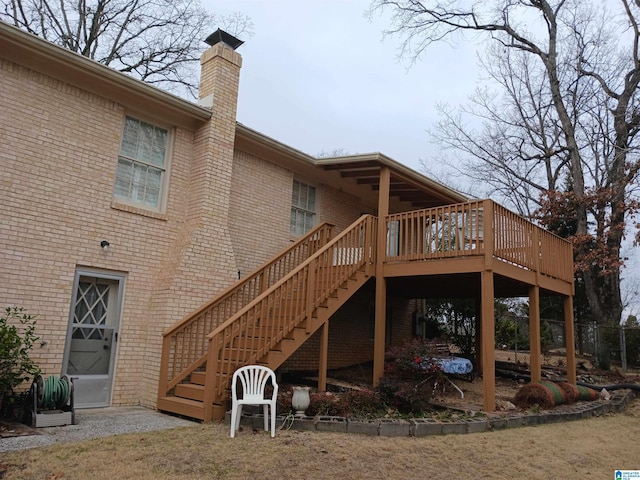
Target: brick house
128, 212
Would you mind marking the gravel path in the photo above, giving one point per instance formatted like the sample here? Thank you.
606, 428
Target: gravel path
95, 423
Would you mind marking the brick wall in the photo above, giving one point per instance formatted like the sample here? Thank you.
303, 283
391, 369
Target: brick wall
58, 172
260, 210
351, 331
340, 208
58, 154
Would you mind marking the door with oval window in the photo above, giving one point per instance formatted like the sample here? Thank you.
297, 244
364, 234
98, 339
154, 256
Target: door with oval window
92, 336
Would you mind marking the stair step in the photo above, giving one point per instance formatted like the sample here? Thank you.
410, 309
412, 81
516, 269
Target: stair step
181, 406
190, 391
189, 408
197, 378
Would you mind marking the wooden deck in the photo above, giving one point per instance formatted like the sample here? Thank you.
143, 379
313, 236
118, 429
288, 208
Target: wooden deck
473, 249
471, 237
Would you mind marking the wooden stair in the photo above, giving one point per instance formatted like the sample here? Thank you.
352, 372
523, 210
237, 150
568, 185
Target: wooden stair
272, 327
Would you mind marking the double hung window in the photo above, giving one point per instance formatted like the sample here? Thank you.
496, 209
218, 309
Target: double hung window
303, 208
140, 176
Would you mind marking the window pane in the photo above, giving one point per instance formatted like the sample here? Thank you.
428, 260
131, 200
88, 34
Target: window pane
308, 221
130, 138
300, 223
295, 197
152, 192
293, 222
302, 201
159, 147
123, 178
311, 200
139, 182
145, 143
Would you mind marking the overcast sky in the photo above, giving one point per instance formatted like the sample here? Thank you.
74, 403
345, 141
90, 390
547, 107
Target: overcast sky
318, 76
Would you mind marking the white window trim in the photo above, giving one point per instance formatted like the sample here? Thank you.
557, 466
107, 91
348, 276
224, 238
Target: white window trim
314, 213
136, 207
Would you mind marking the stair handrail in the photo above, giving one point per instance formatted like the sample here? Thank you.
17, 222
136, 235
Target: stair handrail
316, 284
261, 278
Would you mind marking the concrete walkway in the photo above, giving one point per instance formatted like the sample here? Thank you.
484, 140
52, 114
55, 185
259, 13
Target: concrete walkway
96, 423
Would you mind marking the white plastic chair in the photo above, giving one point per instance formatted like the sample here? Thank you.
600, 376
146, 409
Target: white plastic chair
253, 379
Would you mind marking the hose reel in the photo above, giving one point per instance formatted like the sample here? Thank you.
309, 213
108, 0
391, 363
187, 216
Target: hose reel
53, 393
52, 401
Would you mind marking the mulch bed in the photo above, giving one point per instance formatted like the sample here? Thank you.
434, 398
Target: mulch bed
15, 429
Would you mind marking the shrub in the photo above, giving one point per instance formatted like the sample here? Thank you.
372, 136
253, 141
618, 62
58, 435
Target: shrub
359, 404
283, 405
323, 403
17, 337
409, 377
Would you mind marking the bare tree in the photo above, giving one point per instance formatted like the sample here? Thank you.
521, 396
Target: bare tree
157, 41
336, 152
560, 138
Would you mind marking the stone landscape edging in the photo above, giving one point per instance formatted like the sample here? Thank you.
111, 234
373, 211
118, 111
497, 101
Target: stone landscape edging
420, 427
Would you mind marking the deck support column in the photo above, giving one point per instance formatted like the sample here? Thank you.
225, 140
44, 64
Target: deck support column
534, 334
569, 338
478, 326
324, 356
487, 321
381, 283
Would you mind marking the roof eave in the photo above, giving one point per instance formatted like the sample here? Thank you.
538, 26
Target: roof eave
42, 56
397, 168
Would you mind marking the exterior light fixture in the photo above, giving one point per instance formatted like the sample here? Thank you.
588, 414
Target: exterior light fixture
105, 245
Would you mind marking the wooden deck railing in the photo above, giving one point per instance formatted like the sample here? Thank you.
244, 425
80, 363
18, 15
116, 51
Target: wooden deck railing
461, 230
249, 334
185, 343
440, 232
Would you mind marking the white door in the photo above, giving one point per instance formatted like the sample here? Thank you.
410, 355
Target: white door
92, 336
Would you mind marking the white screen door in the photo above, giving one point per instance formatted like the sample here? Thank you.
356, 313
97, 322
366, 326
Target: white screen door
92, 336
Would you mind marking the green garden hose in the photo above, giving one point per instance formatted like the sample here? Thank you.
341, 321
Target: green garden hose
53, 393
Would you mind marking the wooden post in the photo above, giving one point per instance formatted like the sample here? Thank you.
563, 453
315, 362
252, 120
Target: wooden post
312, 269
478, 338
488, 233
534, 334
164, 367
569, 339
210, 381
324, 356
488, 342
381, 283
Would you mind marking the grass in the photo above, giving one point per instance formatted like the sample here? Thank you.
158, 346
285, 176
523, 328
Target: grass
591, 448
